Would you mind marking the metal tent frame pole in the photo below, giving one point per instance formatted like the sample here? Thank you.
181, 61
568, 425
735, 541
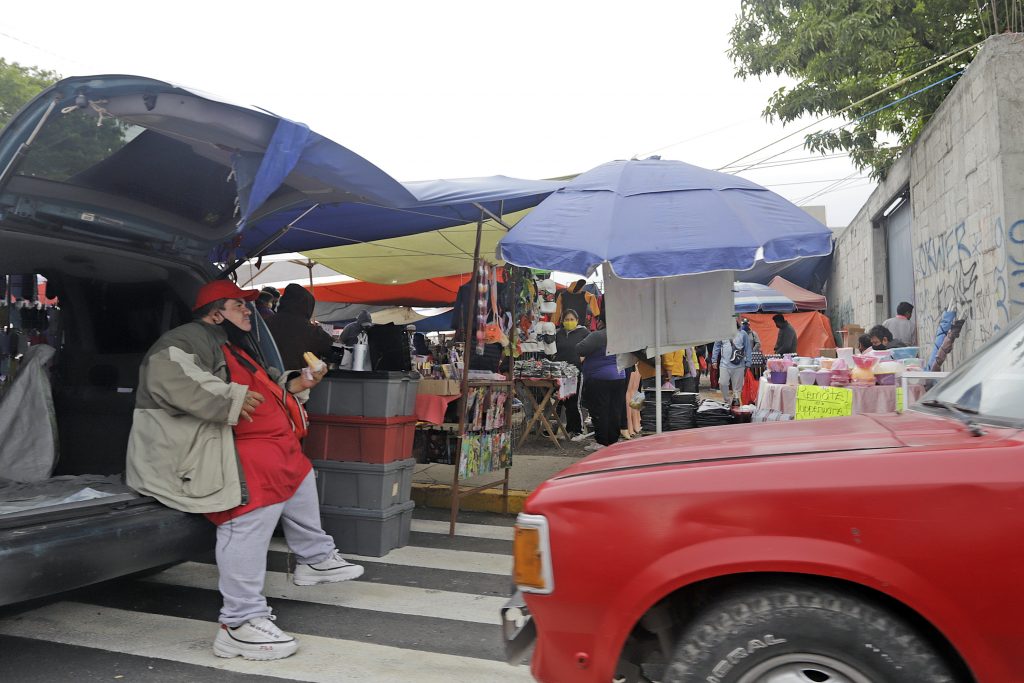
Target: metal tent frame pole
657, 353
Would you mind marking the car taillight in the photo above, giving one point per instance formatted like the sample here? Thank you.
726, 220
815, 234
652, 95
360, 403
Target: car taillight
532, 553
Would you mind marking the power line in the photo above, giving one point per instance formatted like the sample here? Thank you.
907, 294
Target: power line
856, 120
827, 189
690, 139
811, 182
857, 103
41, 49
838, 189
793, 162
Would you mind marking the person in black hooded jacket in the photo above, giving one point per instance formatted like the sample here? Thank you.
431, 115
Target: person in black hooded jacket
293, 328
566, 338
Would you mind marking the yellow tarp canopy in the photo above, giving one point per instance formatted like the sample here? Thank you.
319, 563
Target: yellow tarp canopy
416, 257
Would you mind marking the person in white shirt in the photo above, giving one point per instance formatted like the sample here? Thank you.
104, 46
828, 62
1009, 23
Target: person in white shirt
903, 330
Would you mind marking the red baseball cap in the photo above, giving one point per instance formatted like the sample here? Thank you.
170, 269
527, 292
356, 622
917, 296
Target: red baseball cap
222, 289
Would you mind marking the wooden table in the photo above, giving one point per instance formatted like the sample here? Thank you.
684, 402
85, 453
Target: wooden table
545, 412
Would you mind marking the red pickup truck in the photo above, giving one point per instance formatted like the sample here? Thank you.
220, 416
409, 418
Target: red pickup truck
864, 549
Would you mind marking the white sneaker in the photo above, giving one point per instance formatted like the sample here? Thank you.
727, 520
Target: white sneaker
257, 639
593, 447
331, 570
580, 437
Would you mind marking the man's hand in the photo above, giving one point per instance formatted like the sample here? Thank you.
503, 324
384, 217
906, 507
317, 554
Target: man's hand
252, 401
301, 383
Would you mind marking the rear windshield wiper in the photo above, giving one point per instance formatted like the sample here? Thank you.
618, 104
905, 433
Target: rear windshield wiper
962, 413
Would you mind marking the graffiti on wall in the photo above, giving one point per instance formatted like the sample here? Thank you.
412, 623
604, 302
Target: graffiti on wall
948, 270
1015, 265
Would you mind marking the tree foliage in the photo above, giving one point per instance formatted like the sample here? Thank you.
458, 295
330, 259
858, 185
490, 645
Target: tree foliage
69, 143
18, 85
842, 51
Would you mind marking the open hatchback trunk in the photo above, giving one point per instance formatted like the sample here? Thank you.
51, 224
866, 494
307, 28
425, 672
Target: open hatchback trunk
118, 194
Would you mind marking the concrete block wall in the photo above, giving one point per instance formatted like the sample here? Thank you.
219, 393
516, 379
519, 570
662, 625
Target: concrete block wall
966, 178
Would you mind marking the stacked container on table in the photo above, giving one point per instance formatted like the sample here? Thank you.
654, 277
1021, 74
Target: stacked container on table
361, 428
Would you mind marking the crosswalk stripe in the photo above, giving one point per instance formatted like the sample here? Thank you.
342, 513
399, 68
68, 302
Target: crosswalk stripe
319, 659
433, 526
481, 609
431, 558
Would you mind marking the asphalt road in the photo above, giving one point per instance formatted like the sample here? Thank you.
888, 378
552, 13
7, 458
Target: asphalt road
427, 612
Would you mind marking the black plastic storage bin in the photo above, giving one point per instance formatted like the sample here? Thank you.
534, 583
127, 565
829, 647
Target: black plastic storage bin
365, 394
373, 533
363, 485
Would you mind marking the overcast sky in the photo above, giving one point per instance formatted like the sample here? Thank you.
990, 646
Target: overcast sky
455, 89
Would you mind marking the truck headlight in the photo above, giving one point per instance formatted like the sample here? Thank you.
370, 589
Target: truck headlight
532, 553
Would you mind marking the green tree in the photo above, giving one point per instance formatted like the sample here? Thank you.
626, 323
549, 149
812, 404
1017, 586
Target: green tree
69, 142
842, 51
18, 85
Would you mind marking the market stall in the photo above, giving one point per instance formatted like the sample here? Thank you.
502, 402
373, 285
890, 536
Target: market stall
430, 245
809, 387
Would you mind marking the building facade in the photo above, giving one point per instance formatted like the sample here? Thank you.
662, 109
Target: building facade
946, 227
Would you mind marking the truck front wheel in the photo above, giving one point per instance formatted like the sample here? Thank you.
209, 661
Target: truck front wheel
794, 634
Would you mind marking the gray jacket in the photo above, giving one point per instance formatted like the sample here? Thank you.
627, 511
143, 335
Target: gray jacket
182, 450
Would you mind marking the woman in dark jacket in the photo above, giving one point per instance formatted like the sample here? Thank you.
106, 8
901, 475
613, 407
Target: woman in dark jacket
293, 328
566, 338
605, 385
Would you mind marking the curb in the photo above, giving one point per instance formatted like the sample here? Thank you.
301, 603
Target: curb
439, 496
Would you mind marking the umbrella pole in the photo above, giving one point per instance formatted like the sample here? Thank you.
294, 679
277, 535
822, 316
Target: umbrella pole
657, 354
464, 379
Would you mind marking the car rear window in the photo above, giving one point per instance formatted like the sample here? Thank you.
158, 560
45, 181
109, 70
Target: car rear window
122, 159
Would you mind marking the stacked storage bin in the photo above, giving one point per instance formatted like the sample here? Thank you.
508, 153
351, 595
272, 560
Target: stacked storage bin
361, 428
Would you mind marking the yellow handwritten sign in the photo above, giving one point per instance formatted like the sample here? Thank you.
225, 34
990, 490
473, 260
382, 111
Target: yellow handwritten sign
815, 402
899, 399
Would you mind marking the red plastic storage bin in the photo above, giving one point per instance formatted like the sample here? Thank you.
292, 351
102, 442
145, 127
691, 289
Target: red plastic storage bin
344, 438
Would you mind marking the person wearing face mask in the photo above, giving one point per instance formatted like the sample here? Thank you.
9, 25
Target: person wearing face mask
881, 339
566, 338
213, 433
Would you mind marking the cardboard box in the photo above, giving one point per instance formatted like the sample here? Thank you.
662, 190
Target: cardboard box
850, 333
439, 387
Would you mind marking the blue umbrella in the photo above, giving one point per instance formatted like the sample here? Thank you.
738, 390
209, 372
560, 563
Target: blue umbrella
945, 322
653, 218
751, 297
656, 218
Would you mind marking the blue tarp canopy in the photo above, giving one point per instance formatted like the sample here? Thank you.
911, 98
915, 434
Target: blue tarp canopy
751, 297
658, 218
295, 149
439, 204
442, 322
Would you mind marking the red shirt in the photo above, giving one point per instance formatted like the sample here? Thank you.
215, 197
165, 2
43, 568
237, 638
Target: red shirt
271, 456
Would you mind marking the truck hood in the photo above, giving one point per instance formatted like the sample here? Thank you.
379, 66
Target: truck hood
770, 439
132, 159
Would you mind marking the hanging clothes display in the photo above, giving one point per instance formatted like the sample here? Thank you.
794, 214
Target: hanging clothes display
486, 445
575, 297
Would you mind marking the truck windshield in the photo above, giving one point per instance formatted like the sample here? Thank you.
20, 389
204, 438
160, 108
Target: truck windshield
991, 384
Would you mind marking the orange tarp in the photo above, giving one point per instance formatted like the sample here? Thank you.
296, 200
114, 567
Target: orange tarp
436, 291
813, 331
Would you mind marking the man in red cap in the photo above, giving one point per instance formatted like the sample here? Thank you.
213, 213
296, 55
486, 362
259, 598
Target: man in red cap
213, 433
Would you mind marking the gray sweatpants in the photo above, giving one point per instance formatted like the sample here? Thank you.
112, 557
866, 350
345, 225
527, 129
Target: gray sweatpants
243, 542
733, 376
